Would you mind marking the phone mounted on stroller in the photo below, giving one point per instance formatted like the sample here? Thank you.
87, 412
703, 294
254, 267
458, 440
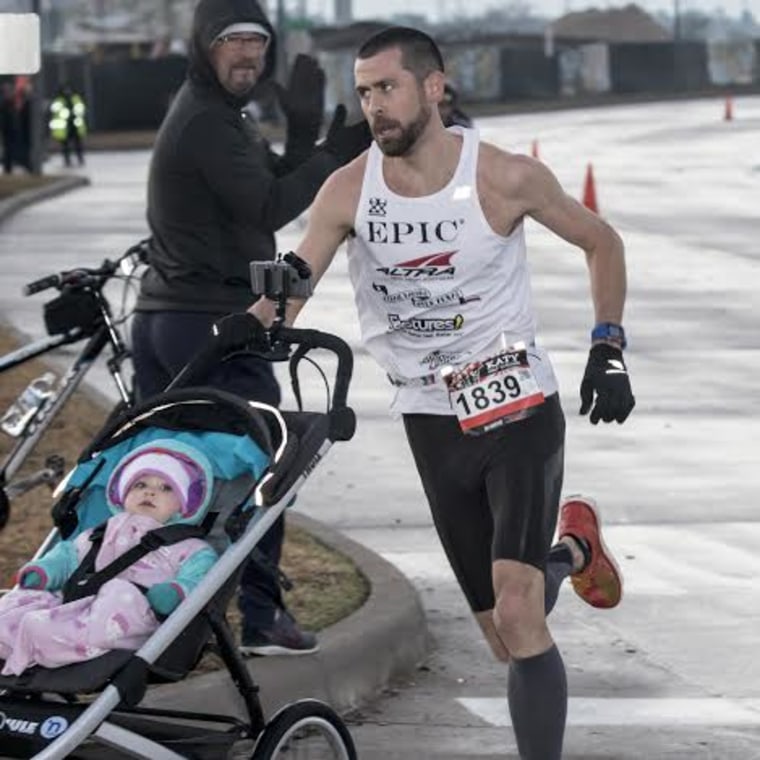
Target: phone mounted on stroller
287, 276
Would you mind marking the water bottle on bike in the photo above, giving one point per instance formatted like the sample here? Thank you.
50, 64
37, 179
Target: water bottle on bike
25, 408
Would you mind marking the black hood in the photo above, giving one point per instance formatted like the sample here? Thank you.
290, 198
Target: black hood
213, 16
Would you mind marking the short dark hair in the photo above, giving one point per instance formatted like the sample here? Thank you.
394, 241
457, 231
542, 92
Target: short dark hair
419, 53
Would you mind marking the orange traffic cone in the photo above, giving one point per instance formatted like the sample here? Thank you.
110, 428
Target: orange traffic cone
534, 149
728, 110
589, 191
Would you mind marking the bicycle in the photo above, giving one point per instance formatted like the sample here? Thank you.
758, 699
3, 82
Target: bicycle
82, 312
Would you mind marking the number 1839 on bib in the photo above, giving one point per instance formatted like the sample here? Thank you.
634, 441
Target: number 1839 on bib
494, 391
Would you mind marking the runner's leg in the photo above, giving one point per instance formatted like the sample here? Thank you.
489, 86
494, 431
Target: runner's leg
524, 481
450, 466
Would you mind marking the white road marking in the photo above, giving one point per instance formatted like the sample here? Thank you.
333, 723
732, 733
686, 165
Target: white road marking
670, 713
662, 560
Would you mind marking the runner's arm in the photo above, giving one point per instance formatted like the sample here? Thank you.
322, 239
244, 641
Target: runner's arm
547, 203
330, 222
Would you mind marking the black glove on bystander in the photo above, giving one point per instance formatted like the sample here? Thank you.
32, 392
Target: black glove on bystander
303, 104
346, 142
607, 376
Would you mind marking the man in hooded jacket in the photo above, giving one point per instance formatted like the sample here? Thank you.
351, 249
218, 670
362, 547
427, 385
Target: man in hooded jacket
216, 195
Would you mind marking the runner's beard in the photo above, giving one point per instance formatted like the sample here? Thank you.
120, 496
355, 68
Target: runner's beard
404, 142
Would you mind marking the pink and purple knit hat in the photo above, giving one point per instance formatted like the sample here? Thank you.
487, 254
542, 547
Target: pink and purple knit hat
185, 467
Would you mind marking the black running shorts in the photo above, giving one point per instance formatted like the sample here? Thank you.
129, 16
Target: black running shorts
493, 496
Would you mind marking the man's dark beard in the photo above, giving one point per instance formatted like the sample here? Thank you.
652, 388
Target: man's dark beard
401, 145
241, 90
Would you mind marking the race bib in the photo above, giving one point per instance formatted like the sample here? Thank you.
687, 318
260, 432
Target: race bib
492, 392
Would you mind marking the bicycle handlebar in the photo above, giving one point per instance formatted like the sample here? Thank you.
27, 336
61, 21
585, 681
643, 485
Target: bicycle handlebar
73, 278
51, 281
86, 277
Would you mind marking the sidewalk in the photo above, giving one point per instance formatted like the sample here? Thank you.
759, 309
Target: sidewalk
58, 185
360, 655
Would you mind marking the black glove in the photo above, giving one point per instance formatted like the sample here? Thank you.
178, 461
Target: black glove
606, 374
303, 105
346, 142
239, 331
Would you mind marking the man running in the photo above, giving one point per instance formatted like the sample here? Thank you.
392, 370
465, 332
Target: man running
434, 223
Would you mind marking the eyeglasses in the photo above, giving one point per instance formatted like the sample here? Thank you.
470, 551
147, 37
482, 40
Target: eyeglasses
239, 40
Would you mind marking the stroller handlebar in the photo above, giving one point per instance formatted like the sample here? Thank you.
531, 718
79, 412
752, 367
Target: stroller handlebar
307, 339
238, 333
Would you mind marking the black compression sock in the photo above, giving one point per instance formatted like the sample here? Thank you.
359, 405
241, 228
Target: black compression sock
537, 695
561, 553
559, 564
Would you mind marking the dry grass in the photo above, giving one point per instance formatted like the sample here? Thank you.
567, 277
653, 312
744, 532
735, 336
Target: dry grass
327, 585
11, 184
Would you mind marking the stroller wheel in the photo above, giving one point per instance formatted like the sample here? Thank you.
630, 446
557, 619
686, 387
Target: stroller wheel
305, 730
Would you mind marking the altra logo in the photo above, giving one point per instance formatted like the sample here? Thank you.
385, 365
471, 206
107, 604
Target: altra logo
433, 266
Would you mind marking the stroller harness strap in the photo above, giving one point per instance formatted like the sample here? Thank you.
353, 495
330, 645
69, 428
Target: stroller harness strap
86, 581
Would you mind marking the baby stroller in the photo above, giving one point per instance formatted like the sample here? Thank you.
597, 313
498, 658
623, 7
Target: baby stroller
91, 709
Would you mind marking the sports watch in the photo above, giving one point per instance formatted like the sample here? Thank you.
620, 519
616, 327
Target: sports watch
609, 331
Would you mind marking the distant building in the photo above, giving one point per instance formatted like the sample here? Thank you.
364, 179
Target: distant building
119, 29
628, 24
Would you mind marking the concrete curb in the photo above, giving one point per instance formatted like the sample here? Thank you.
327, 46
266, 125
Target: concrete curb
384, 639
21, 200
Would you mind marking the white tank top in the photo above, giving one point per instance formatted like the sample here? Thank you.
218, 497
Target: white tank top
434, 285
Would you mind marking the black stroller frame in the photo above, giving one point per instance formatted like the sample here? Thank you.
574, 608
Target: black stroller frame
58, 727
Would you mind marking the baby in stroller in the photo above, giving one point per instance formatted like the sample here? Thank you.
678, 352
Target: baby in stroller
47, 622
260, 457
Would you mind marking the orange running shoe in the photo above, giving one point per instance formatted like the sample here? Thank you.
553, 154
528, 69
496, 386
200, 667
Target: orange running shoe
600, 582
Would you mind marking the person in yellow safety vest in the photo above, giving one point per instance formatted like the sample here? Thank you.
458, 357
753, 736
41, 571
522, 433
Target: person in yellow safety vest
67, 123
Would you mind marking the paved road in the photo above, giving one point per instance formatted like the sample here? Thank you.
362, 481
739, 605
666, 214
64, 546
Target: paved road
672, 673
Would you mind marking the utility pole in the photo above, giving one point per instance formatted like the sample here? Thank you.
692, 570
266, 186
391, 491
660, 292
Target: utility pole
676, 20
343, 12
37, 126
168, 14
282, 41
